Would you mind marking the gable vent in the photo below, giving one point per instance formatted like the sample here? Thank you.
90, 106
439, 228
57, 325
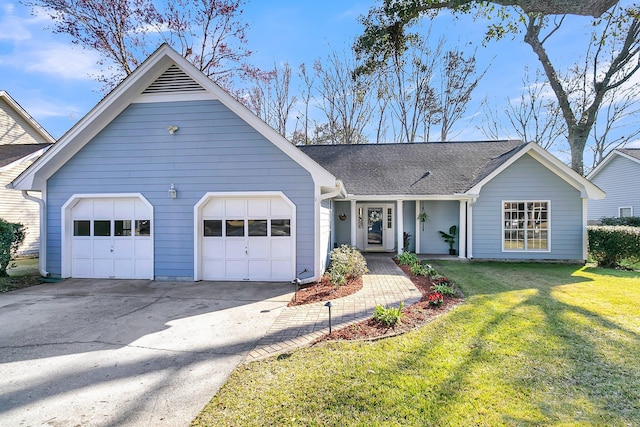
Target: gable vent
174, 80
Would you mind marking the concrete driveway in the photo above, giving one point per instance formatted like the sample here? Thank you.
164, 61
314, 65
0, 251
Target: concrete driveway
125, 352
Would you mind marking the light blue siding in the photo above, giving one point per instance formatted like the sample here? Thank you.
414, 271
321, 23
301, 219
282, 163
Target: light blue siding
442, 215
342, 229
213, 151
524, 180
620, 179
409, 223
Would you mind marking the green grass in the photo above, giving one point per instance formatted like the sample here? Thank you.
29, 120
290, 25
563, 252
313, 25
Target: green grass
534, 344
23, 273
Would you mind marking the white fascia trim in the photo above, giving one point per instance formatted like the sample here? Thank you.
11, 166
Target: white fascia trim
66, 226
197, 221
586, 188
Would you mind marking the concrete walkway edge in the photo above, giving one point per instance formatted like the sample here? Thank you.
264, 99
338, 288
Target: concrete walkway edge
298, 326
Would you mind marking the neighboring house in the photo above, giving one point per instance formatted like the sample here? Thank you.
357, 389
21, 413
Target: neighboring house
22, 140
619, 176
169, 177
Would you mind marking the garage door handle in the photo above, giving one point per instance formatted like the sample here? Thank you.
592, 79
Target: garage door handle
111, 250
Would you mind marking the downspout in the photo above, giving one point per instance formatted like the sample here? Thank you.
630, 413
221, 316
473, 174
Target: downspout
339, 190
42, 258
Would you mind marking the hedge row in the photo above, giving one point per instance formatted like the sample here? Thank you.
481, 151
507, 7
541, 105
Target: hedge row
609, 245
631, 221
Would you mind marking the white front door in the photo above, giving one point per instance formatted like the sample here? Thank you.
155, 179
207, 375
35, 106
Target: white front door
247, 238
111, 238
377, 227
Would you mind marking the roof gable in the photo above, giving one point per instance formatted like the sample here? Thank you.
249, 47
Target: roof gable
164, 76
19, 124
632, 154
587, 188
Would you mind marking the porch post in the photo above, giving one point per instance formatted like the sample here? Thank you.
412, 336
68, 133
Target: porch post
462, 230
400, 225
470, 228
585, 233
354, 223
417, 236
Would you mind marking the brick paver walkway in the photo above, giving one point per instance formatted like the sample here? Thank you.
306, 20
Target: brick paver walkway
298, 326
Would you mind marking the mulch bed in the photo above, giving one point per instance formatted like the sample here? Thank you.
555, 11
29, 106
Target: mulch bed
413, 316
324, 291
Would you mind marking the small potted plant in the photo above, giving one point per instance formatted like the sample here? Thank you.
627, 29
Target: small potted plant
450, 238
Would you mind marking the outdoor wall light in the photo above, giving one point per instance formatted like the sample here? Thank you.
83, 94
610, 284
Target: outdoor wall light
173, 193
172, 129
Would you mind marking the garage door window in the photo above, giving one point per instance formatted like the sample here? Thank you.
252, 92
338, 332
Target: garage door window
235, 228
81, 228
102, 228
257, 227
280, 227
213, 228
143, 227
122, 227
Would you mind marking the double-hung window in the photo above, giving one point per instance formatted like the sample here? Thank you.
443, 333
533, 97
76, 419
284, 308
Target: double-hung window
525, 226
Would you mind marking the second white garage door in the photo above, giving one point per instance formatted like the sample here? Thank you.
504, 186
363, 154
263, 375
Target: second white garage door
247, 238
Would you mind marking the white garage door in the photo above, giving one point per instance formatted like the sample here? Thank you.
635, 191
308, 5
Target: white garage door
111, 238
247, 239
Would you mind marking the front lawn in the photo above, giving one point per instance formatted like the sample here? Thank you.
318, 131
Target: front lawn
534, 344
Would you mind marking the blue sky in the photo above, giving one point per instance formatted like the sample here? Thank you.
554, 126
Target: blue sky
50, 78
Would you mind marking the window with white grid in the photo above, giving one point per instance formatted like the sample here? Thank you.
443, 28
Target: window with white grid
525, 225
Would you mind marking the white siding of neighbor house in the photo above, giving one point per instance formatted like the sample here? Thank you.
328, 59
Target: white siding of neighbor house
15, 208
620, 179
212, 151
528, 180
14, 129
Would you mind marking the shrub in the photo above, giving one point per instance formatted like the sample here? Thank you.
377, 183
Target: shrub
630, 221
346, 263
421, 269
11, 237
444, 289
407, 258
406, 241
609, 245
388, 316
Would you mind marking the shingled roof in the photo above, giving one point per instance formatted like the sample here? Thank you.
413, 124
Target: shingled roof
431, 168
10, 153
632, 152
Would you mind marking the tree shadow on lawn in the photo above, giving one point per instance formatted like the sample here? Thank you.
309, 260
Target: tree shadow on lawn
518, 355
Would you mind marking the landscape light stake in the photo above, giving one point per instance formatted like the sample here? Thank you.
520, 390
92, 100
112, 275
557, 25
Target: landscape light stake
328, 304
296, 282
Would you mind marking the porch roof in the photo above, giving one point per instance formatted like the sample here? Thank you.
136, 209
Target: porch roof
430, 168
